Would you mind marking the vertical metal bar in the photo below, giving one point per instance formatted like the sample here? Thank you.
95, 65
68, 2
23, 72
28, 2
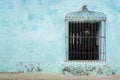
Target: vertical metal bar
94, 25
67, 39
70, 31
88, 37
91, 32
83, 54
80, 39
82, 36
85, 41
105, 37
73, 41
92, 40
88, 51
91, 25
88, 57
86, 34
97, 41
77, 39
96, 57
104, 40
102, 51
88, 42
70, 37
100, 30
82, 43
68, 52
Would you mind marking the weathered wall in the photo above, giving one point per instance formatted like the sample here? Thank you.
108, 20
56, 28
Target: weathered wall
32, 33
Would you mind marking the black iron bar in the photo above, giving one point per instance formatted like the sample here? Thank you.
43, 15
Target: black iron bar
100, 34
80, 40
105, 37
83, 41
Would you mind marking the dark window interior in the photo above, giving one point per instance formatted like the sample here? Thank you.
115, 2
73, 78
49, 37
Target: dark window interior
83, 41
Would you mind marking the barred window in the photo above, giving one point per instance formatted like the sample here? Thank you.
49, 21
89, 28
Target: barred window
85, 35
83, 41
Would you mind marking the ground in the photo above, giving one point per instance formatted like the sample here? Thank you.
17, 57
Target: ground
38, 76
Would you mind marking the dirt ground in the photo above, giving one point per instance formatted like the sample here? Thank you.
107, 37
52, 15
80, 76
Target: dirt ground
26, 76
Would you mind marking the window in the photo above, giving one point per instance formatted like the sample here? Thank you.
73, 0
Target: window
85, 35
84, 42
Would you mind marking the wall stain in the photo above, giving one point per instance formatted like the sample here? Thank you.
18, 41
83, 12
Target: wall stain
88, 70
29, 68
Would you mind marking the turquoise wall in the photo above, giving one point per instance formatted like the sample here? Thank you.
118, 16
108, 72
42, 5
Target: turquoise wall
32, 33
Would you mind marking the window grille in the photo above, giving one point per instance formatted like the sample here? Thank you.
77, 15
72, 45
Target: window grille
85, 36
